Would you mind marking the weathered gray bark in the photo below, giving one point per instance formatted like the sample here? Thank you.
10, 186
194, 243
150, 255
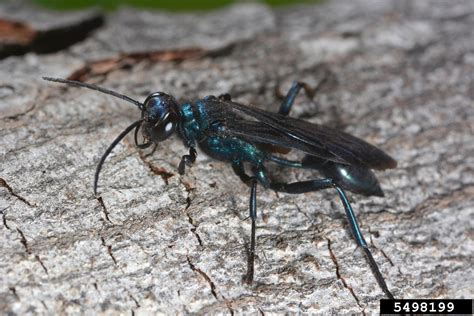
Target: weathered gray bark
400, 76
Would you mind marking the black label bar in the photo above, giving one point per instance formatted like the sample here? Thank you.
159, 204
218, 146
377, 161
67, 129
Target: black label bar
445, 306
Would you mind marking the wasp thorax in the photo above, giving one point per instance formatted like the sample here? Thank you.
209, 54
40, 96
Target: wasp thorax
160, 117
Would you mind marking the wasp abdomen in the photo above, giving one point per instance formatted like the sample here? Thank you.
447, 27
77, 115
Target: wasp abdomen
357, 179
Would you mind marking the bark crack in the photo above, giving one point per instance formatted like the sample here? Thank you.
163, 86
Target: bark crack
44, 305
15, 116
381, 251
96, 287
25, 244
160, 171
4, 184
41, 263
189, 188
298, 208
134, 300
104, 209
109, 250
228, 305
205, 276
23, 241
195, 226
340, 277
4, 218
13, 290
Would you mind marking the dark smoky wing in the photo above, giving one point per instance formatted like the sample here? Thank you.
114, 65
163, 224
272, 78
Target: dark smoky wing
256, 132
313, 139
248, 127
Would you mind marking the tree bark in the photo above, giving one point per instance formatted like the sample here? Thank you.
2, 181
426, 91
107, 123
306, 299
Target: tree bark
397, 74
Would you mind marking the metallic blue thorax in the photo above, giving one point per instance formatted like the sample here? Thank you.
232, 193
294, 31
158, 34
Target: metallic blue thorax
202, 124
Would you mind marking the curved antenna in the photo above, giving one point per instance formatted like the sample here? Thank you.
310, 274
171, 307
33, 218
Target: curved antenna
109, 150
97, 88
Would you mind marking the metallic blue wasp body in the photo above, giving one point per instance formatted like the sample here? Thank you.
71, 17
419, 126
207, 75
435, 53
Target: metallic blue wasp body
249, 138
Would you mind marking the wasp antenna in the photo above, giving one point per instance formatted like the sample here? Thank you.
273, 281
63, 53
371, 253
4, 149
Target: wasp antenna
97, 88
109, 150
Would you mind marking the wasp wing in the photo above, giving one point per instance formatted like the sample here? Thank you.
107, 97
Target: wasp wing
256, 125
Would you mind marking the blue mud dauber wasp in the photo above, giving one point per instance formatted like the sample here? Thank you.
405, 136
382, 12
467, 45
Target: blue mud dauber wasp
236, 133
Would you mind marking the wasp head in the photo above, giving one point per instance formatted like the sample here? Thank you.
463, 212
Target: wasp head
160, 117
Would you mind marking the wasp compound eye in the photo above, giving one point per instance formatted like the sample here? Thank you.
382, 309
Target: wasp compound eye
159, 130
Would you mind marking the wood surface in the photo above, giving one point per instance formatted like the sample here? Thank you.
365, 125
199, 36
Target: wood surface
399, 74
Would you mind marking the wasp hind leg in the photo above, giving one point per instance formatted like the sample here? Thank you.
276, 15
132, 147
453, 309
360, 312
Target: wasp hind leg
321, 184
